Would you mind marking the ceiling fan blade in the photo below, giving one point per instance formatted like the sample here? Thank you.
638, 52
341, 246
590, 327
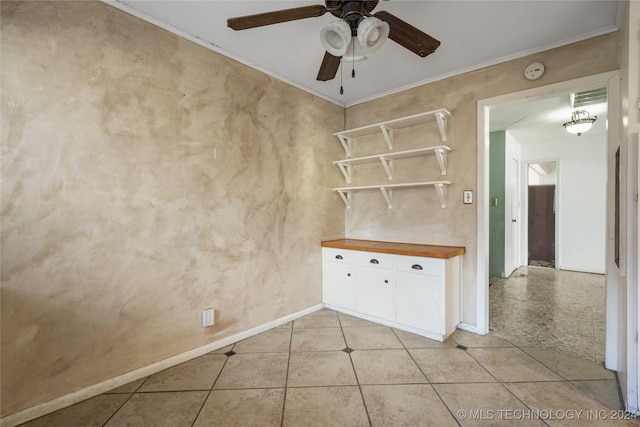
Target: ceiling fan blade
276, 17
329, 67
408, 36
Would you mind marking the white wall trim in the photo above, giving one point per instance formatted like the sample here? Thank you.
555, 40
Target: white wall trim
104, 386
467, 327
211, 46
132, 11
581, 270
486, 64
482, 218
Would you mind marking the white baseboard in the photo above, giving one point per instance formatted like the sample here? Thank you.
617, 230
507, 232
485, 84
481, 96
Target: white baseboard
581, 269
468, 328
104, 386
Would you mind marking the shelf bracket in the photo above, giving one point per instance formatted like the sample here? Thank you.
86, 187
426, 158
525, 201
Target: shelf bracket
441, 194
388, 135
388, 196
388, 167
346, 171
346, 198
346, 144
442, 125
441, 155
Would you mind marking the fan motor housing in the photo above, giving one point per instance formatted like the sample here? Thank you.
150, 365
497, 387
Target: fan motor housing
338, 7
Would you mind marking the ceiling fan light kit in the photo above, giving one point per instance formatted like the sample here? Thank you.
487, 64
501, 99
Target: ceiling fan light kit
355, 51
358, 32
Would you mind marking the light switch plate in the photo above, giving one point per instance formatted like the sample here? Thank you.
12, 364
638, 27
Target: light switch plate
467, 197
207, 317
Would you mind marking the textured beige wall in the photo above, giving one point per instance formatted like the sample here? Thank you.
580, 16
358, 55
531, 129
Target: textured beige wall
416, 215
118, 223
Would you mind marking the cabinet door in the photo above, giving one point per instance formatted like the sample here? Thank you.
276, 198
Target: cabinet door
375, 292
419, 302
339, 285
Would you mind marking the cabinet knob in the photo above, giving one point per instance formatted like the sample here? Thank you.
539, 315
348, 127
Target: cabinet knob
338, 256
386, 281
416, 267
374, 261
348, 274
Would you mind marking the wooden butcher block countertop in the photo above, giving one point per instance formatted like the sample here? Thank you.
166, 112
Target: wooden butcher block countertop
412, 249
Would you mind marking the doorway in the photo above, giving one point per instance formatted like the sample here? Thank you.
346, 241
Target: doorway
620, 350
542, 214
484, 200
533, 136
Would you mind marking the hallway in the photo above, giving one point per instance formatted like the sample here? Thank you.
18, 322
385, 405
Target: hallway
544, 307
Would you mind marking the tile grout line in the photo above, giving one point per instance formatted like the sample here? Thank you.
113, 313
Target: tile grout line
355, 373
502, 384
125, 401
505, 383
411, 356
564, 378
620, 396
286, 378
455, 419
195, 419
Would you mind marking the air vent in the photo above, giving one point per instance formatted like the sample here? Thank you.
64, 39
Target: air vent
589, 97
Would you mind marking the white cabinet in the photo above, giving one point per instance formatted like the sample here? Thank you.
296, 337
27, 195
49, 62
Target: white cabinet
340, 273
415, 293
374, 287
419, 294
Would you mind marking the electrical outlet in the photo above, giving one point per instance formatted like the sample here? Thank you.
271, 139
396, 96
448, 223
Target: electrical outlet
467, 197
207, 317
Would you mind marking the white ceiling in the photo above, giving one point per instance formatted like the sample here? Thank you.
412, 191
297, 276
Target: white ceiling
474, 34
541, 120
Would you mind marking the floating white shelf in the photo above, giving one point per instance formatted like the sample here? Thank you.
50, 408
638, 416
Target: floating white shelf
440, 116
440, 151
440, 186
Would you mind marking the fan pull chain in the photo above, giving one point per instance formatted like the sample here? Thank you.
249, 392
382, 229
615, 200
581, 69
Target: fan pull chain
341, 89
353, 60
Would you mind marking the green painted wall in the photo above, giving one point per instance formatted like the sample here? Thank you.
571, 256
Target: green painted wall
496, 213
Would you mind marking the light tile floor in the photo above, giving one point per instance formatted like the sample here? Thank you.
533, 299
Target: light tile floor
331, 369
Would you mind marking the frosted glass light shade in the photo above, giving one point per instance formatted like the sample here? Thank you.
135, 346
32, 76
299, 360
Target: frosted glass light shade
336, 37
578, 128
372, 33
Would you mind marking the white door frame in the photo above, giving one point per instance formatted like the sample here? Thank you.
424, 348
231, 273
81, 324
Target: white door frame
484, 106
513, 235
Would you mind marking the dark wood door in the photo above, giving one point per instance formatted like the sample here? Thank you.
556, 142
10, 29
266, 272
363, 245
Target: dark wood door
542, 223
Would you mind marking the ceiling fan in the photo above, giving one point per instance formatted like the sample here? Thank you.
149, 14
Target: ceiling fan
356, 29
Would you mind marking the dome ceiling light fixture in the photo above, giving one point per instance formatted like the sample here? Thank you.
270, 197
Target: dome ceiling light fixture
580, 122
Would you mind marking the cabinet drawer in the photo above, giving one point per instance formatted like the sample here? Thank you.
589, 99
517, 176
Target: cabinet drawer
342, 256
375, 260
418, 265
